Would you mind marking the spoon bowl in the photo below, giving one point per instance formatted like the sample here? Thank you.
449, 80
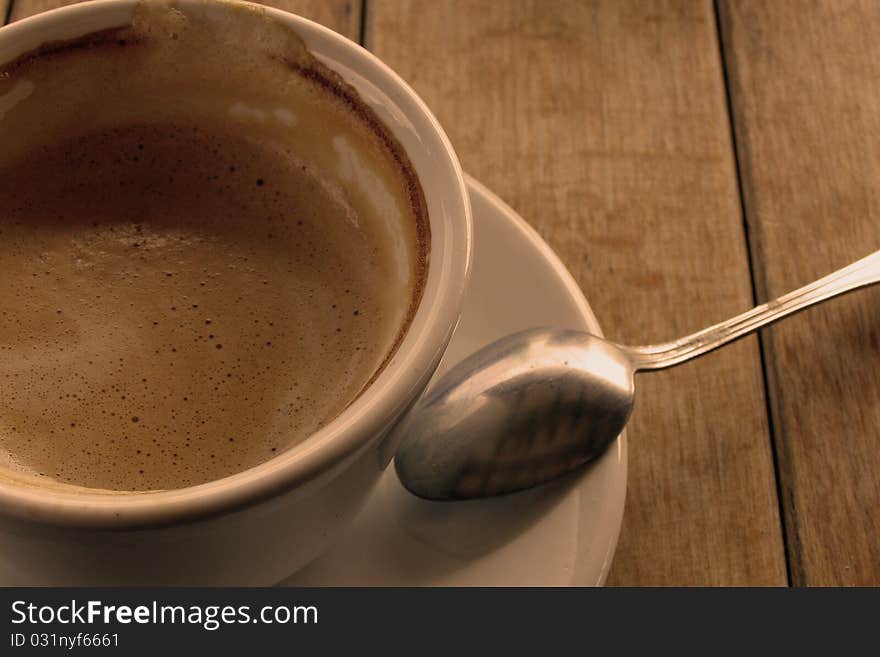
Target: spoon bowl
542, 401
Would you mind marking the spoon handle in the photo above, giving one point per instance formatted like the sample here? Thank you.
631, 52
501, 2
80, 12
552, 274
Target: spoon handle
658, 356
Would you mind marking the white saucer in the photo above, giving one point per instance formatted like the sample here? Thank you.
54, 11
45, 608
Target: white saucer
556, 535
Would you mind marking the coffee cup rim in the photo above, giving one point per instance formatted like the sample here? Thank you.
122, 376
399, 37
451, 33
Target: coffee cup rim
326, 452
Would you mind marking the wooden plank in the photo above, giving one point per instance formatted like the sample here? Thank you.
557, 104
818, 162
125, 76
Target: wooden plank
807, 120
605, 125
344, 16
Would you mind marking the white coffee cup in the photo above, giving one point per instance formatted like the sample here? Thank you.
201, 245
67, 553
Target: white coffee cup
260, 525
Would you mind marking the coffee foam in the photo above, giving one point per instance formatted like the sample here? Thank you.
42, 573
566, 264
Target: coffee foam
203, 265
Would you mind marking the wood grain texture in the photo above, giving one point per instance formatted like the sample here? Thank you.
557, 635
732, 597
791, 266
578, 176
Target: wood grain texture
807, 119
343, 16
604, 124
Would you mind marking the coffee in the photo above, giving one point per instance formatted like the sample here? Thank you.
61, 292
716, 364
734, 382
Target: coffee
206, 254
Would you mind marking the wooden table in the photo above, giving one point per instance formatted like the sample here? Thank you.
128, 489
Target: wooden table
687, 159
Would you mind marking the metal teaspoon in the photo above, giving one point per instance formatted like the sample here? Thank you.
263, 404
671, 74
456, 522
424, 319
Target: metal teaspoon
535, 405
